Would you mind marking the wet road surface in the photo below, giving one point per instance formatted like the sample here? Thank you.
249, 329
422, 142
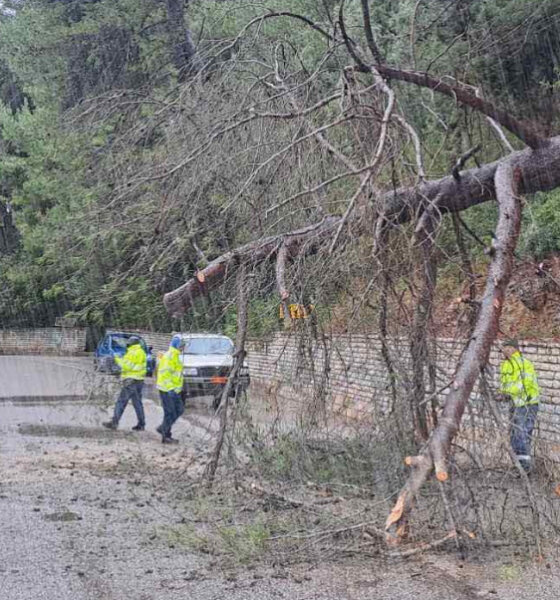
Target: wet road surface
44, 376
85, 512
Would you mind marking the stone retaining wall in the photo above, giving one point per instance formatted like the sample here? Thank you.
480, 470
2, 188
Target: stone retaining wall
351, 377
51, 340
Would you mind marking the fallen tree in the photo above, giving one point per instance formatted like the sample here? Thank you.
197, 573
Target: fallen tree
523, 172
475, 357
539, 171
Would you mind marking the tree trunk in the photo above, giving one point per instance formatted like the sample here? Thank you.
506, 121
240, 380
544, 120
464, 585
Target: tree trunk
475, 357
540, 169
9, 235
426, 232
183, 50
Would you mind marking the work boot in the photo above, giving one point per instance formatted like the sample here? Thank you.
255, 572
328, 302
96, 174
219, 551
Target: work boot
159, 429
527, 466
109, 424
169, 440
138, 427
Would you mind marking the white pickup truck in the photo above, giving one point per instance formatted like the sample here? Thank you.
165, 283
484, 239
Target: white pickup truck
207, 362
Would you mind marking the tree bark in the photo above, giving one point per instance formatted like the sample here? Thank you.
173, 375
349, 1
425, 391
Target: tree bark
540, 172
419, 351
507, 184
183, 50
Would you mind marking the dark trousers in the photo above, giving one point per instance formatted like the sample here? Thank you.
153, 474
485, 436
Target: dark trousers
173, 408
131, 390
521, 434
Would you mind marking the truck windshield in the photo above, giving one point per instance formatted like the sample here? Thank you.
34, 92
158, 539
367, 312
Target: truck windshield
208, 346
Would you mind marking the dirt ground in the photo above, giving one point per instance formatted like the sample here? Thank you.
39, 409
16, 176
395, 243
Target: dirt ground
90, 514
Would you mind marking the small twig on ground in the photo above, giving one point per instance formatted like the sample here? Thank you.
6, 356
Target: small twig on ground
423, 547
368, 526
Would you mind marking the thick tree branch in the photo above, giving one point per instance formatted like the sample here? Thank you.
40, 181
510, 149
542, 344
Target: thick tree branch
303, 240
459, 93
463, 94
281, 260
475, 357
540, 169
373, 47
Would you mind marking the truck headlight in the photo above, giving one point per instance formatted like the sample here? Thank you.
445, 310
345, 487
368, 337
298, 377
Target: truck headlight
190, 371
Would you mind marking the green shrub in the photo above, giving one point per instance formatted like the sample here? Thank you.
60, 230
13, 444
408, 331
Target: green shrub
541, 234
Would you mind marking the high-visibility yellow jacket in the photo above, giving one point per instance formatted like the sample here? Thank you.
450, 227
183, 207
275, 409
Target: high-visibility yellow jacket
519, 380
134, 363
170, 372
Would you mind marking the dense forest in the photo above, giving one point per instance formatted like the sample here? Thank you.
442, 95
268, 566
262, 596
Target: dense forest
142, 139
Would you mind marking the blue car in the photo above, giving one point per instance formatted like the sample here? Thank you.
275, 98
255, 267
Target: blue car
114, 344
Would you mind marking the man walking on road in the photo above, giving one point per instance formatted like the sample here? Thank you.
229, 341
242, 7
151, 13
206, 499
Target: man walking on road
133, 371
518, 383
170, 385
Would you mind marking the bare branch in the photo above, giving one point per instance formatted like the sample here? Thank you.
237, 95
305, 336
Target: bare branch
349, 210
475, 357
373, 47
540, 172
461, 161
417, 146
460, 93
378, 152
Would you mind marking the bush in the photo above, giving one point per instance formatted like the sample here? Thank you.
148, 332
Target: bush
541, 234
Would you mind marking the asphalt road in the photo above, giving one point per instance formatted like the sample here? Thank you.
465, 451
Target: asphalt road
85, 513
44, 376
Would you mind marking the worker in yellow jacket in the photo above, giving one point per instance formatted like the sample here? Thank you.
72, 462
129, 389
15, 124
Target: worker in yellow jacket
170, 385
518, 383
133, 372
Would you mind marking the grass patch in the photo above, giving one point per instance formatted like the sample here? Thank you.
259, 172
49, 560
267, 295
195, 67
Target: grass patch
358, 461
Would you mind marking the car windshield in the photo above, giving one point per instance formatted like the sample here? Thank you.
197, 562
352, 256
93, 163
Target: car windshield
119, 342
208, 346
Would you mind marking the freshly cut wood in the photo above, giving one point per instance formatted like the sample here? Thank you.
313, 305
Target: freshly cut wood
475, 356
540, 171
305, 240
